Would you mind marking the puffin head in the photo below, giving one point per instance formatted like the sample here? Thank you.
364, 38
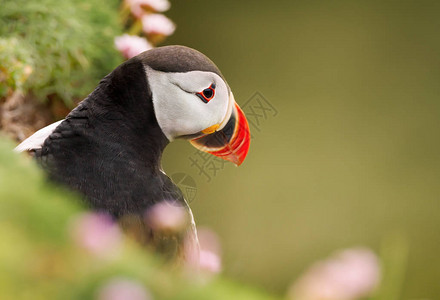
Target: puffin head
193, 101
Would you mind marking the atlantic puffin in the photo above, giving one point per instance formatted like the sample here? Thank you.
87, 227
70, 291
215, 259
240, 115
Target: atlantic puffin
109, 147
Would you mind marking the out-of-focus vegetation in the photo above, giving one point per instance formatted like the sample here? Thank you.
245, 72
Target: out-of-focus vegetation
52, 249
40, 258
58, 48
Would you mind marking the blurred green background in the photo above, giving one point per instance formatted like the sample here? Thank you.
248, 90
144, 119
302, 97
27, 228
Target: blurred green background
353, 156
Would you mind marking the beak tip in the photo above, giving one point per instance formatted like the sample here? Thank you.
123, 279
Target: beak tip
235, 148
238, 158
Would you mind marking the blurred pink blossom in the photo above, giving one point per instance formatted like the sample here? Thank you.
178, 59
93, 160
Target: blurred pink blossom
123, 289
97, 233
210, 251
167, 216
138, 7
157, 24
208, 257
210, 262
131, 45
348, 275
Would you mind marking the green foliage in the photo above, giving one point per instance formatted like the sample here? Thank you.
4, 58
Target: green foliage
16, 64
67, 45
39, 259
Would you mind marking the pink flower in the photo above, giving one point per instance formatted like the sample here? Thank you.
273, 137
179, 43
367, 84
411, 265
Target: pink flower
157, 24
210, 251
96, 233
123, 289
210, 262
138, 7
131, 45
208, 257
167, 216
348, 275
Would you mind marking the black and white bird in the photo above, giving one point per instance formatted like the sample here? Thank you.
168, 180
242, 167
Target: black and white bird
109, 147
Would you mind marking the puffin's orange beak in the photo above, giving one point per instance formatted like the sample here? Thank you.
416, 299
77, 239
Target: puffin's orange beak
231, 142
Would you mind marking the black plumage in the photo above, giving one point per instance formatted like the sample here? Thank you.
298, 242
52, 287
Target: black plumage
109, 147
178, 59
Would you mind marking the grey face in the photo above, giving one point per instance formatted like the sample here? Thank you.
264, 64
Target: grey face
178, 76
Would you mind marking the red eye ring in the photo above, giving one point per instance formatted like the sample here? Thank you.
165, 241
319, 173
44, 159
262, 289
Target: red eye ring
207, 94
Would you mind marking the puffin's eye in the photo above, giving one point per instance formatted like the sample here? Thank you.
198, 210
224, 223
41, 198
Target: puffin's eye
207, 94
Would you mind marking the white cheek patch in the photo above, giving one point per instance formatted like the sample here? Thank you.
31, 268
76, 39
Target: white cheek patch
179, 111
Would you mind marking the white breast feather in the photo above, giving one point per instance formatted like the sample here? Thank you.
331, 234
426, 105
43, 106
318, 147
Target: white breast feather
36, 140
